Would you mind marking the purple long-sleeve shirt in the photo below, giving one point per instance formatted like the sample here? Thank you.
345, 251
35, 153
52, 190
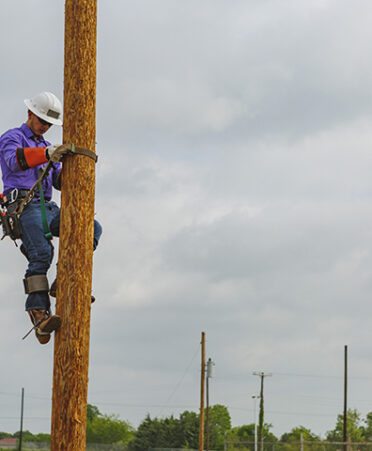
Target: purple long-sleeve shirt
13, 176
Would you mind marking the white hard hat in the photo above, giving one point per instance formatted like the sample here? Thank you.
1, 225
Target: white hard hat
46, 106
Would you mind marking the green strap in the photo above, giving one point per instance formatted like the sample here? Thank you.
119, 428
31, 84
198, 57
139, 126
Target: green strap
44, 220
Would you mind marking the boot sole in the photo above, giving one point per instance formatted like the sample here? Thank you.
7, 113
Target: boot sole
43, 339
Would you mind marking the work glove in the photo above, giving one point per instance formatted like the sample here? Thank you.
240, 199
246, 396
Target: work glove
55, 153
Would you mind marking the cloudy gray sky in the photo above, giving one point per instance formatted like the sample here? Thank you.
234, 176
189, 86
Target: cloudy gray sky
234, 187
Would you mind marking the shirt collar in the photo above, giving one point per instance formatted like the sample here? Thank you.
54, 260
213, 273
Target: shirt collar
29, 134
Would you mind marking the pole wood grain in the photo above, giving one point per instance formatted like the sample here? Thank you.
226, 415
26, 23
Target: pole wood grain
71, 346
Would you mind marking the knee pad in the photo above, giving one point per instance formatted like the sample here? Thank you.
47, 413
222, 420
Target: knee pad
36, 283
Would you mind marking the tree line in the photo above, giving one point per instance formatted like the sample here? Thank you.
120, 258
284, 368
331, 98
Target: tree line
183, 432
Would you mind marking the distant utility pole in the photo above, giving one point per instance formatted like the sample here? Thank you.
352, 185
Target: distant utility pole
261, 415
202, 385
345, 398
21, 427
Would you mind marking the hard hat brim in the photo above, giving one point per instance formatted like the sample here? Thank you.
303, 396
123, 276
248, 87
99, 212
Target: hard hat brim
37, 113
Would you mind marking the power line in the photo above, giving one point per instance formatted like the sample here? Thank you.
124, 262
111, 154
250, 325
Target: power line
323, 376
183, 376
146, 405
27, 418
278, 412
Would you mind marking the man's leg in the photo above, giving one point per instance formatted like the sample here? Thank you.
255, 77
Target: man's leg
56, 220
40, 254
54, 228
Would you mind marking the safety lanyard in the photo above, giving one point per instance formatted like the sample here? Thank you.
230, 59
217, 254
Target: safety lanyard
44, 219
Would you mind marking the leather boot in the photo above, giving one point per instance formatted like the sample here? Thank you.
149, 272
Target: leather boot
45, 324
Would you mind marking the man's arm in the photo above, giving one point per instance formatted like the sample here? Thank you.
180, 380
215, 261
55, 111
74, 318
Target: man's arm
57, 176
20, 158
8, 149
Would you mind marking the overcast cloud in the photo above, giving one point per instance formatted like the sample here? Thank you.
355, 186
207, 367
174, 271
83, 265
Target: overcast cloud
234, 188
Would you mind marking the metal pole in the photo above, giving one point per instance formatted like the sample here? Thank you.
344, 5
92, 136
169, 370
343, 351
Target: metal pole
21, 427
207, 422
209, 370
202, 385
345, 399
71, 350
255, 421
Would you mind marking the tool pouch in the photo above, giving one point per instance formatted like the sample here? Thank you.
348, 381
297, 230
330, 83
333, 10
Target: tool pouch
10, 222
11, 225
4, 221
15, 227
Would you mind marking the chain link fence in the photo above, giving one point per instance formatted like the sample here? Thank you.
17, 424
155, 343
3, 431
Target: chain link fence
31, 446
298, 446
228, 446
173, 449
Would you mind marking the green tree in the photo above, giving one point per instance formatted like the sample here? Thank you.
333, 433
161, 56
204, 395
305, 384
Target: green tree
295, 435
109, 429
368, 427
219, 422
355, 428
182, 432
159, 433
189, 429
92, 412
42, 438
5, 435
245, 433
169, 433
106, 428
146, 435
293, 438
27, 436
268, 436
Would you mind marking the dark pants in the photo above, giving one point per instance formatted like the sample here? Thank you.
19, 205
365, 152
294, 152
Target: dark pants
38, 249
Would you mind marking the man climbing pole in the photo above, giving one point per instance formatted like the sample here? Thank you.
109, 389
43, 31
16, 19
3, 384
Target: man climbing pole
30, 168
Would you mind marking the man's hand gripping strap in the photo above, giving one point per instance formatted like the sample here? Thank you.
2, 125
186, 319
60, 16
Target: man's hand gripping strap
36, 283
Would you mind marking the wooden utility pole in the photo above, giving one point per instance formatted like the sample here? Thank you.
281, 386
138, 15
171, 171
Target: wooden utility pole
202, 385
71, 349
261, 414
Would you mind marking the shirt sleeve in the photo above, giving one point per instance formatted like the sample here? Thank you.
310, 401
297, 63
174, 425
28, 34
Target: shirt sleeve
57, 170
9, 146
